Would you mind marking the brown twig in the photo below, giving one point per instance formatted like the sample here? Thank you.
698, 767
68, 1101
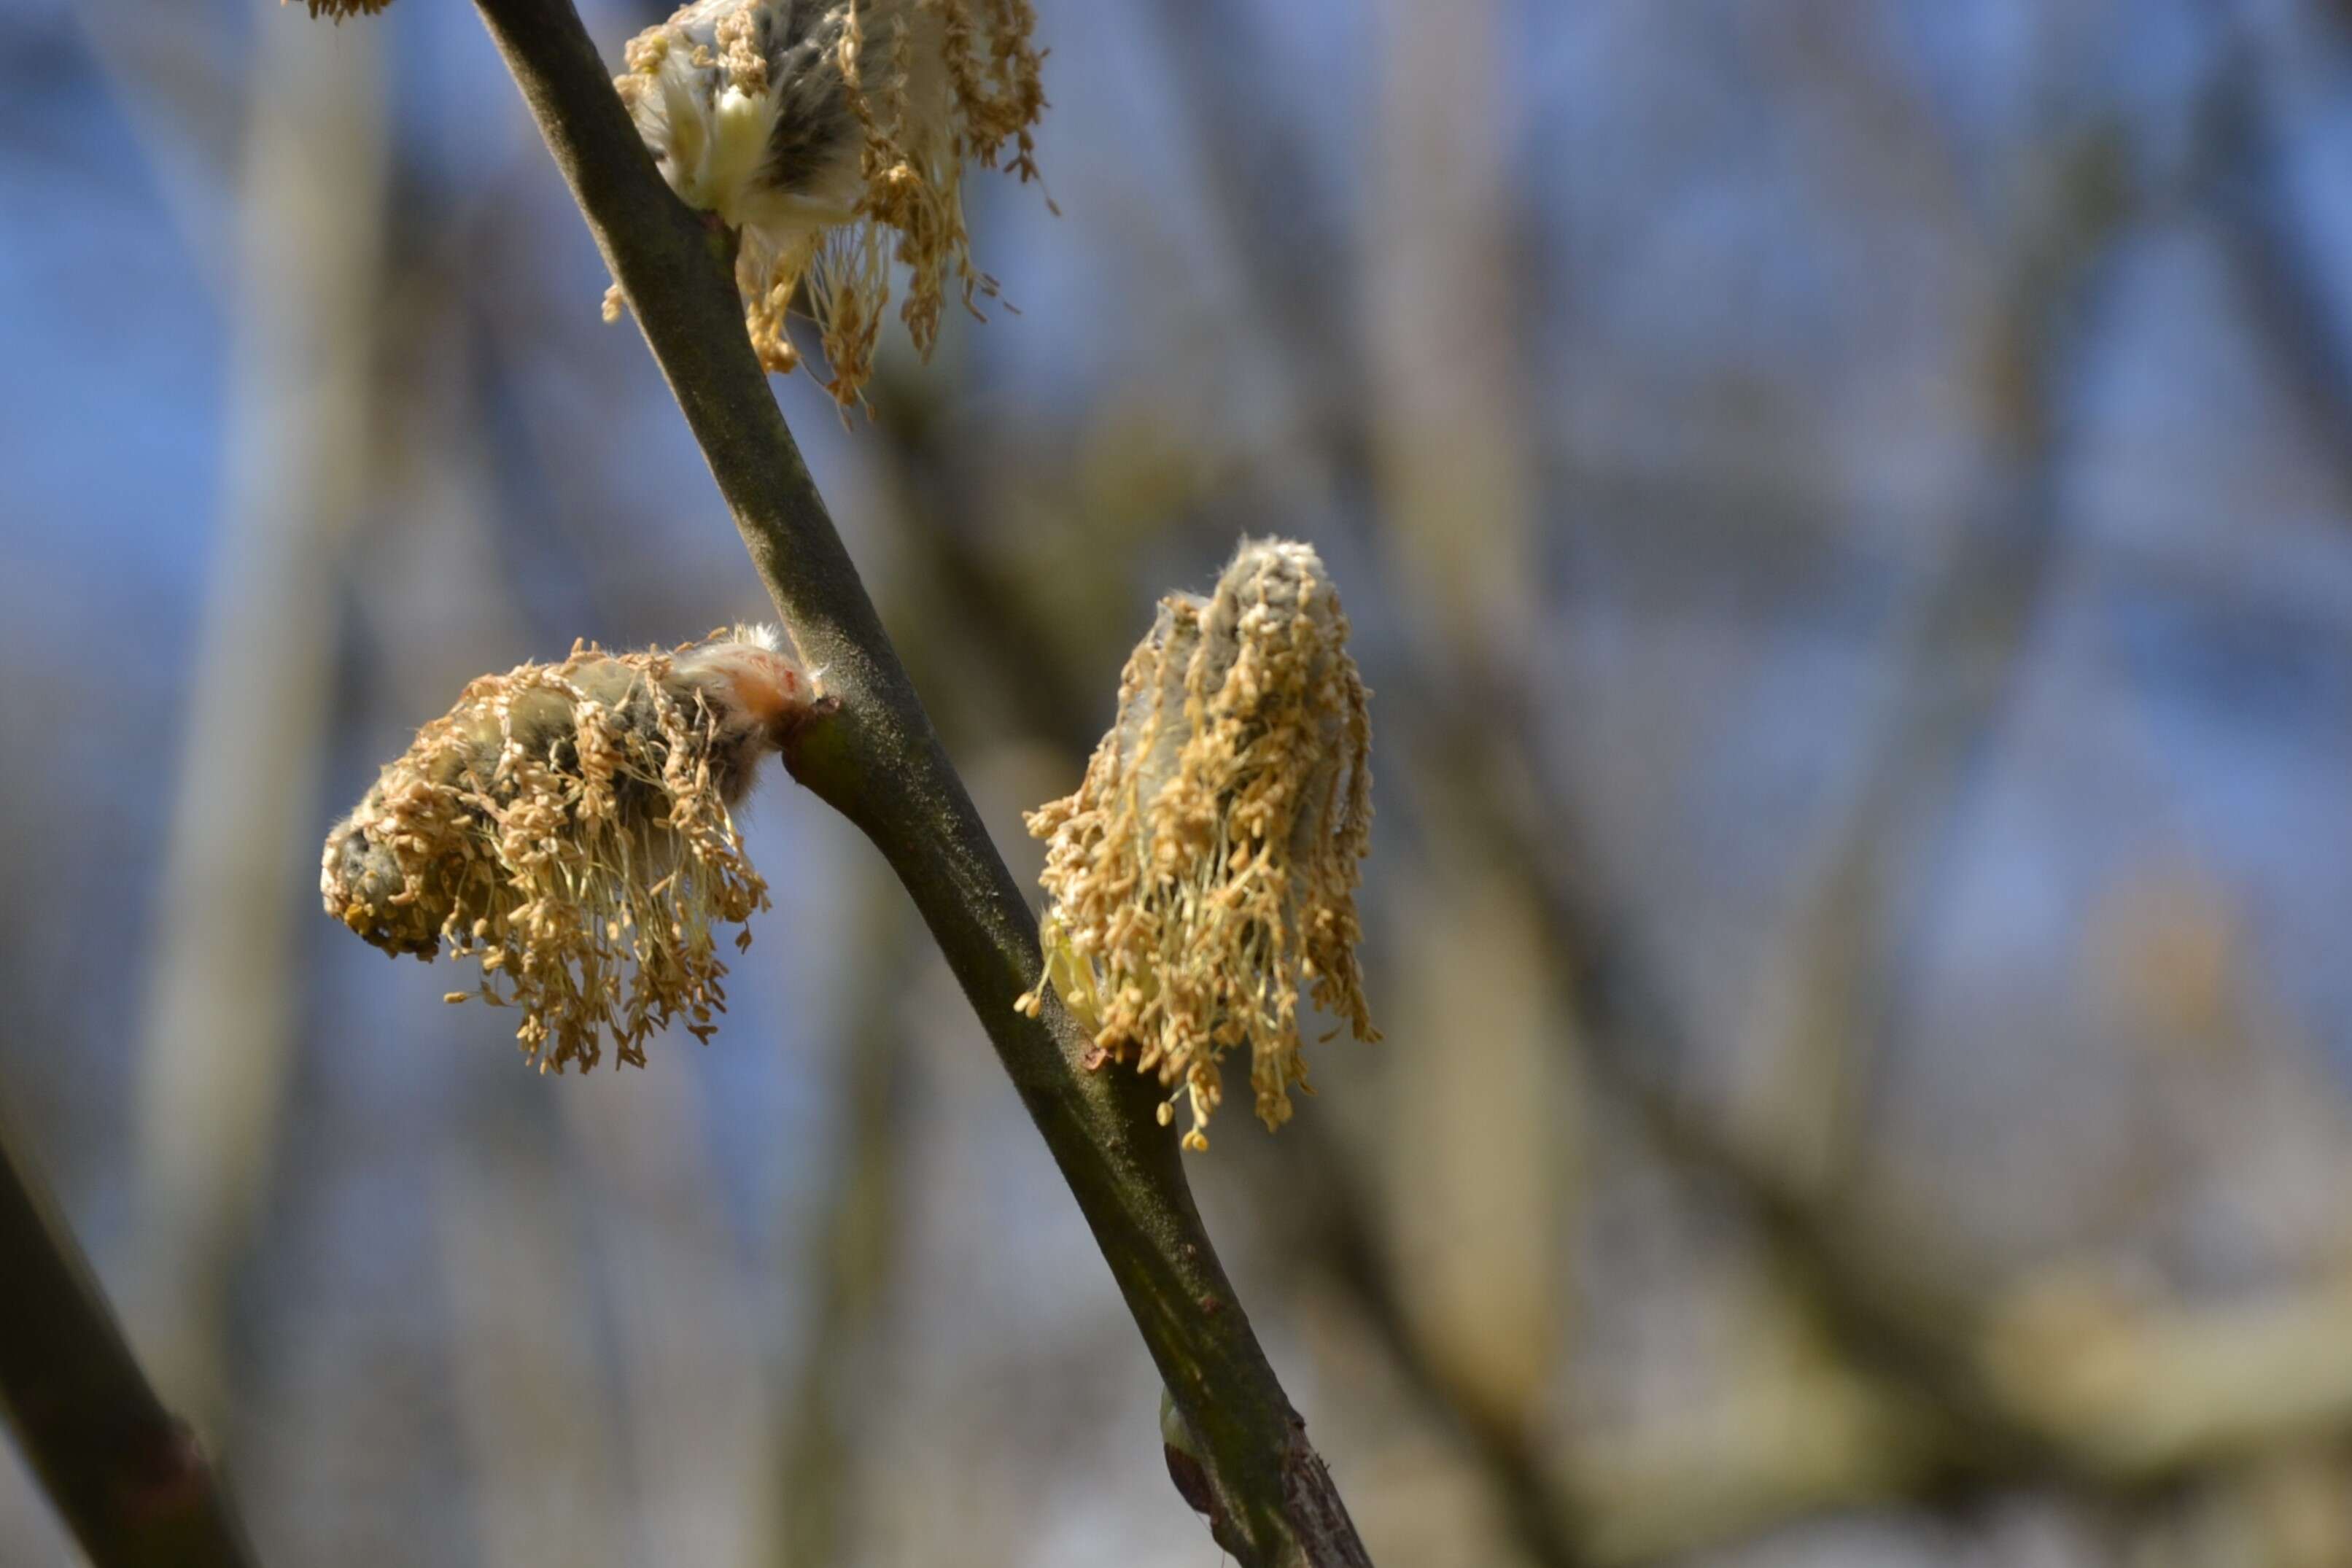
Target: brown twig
881, 765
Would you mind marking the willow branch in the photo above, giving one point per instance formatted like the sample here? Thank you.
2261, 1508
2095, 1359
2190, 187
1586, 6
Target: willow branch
880, 763
126, 1476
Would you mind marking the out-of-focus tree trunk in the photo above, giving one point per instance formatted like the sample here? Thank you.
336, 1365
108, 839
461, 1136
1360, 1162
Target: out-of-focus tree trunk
168, 65
544, 1442
221, 1014
684, 1339
1451, 455
852, 1253
1477, 1146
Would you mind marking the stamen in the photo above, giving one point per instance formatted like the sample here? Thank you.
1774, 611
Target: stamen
1205, 871
569, 825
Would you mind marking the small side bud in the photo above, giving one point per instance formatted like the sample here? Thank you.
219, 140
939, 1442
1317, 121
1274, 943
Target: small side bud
570, 827
1204, 876
1186, 1466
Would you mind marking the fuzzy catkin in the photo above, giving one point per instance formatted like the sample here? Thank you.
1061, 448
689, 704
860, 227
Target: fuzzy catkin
1204, 876
832, 134
570, 827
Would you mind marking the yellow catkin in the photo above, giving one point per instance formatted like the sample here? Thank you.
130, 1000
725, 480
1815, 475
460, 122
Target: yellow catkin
569, 826
1204, 876
832, 135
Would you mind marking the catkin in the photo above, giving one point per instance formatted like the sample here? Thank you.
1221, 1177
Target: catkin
1203, 878
570, 827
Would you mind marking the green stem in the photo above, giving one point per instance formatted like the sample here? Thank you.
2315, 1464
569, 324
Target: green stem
880, 762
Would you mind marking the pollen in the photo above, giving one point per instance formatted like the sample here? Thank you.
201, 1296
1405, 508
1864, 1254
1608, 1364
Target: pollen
1202, 878
570, 828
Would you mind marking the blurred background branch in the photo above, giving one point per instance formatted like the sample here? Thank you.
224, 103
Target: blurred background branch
127, 1475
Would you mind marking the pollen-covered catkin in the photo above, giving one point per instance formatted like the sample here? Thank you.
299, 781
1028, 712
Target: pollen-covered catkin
1204, 876
833, 135
570, 826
